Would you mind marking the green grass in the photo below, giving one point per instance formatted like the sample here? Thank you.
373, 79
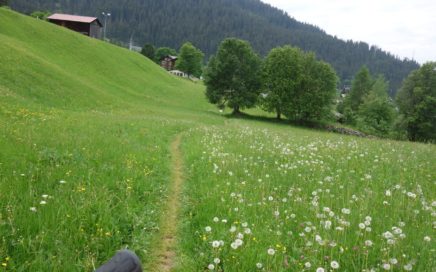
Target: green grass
85, 167
278, 187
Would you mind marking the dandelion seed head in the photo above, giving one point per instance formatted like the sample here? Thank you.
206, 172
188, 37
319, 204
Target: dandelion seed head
271, 251
334, 265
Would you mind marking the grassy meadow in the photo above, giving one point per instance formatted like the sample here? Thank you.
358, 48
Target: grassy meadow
85, 133
268, 198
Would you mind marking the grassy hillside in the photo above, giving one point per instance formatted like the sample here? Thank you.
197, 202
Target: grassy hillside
96, 116
85, 170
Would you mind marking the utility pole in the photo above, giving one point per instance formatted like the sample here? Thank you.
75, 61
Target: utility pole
105, 15
131, 42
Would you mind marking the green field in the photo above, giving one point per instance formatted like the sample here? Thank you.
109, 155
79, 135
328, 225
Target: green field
85, 170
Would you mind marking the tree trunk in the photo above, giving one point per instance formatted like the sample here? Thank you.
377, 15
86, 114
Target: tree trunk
236, 110
279, 114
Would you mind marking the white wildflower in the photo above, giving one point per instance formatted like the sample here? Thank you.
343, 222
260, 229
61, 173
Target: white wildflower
345, 211
334, 264
408, 267
386, 266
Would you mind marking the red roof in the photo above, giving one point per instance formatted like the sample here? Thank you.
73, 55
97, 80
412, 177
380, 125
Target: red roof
72, 18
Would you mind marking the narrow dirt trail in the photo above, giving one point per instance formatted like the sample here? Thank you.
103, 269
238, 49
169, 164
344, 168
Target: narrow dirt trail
166, 253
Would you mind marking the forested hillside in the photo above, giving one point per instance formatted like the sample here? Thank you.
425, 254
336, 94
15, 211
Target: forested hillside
206, 22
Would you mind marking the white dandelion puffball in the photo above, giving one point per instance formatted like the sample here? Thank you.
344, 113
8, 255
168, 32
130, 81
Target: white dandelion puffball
271, 251
334, 264
217, 260
386, 266
408, 267
368, 243
32, 209
427, 238
320, 269
208, 229
259, 265
238, 242
215, 244
211, 267
307, 265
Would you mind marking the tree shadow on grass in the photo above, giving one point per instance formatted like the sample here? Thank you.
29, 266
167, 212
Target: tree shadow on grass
274, 120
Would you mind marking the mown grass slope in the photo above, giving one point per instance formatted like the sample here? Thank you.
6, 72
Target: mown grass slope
85, 167
85, 129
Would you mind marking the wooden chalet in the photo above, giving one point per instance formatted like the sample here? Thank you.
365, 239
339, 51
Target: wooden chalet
89, 26
168, 62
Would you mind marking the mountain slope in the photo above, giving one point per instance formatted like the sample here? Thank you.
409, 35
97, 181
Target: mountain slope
206, 23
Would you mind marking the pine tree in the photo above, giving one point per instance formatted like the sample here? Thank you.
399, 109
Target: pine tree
376, 114
149, 51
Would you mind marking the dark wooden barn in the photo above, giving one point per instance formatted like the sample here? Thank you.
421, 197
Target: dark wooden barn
168, 62
89, 26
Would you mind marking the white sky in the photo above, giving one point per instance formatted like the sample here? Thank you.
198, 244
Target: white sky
406, 28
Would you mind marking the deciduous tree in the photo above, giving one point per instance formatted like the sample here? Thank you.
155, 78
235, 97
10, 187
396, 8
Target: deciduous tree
417, 103
297, 85
190, 60
232, 77
164, 51
282, 76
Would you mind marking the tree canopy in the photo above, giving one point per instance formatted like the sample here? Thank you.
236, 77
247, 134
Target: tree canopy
190, 60
232, 77
149, 51
376, 113
297, 85
417, 103
361, 85
164, 51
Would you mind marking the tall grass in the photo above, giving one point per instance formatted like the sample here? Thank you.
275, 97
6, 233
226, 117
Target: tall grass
264, 198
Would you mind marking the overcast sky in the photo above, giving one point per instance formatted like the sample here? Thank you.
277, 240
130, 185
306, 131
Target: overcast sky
406, 28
